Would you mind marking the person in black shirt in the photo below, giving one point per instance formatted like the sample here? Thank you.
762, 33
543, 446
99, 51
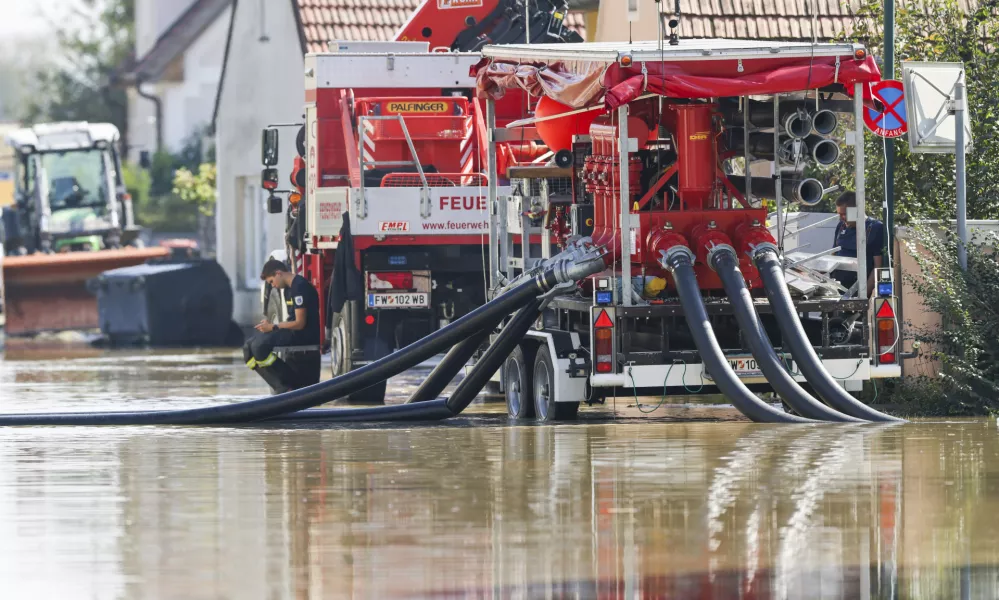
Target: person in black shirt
301, 328
845, 237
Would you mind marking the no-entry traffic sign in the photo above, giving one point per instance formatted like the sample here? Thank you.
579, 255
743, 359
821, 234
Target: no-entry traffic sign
891, 120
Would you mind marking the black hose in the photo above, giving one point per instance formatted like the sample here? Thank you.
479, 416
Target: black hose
450, 365
679, 264
768, 263
431, 410
327, 391
435, 409
725, 263
493, 358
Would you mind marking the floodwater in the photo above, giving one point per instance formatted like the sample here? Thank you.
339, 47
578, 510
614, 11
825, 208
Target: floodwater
680, 503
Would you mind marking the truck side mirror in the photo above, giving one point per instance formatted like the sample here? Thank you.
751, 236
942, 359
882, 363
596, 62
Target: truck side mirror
274, 204
269, 146
269, 179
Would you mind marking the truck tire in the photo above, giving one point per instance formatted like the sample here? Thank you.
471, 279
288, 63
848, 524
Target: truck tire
549, 411
518, 382
342, 362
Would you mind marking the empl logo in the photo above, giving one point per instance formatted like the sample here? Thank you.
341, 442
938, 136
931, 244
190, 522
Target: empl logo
393, 226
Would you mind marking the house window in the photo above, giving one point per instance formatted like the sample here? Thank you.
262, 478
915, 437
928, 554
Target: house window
252, 247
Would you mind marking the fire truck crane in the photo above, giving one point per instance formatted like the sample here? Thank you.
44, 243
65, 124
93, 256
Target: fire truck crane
394, 148
671, 150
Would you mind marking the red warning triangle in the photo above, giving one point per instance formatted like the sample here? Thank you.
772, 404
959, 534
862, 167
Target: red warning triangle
886, 311
603, 321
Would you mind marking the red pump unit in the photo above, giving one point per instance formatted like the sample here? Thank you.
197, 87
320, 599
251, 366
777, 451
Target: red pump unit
705, 213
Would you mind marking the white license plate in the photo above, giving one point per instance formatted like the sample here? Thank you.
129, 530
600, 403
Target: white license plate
744, 366
398, 300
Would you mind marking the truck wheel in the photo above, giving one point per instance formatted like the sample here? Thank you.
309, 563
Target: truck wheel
518, 383
547, 409
341, 361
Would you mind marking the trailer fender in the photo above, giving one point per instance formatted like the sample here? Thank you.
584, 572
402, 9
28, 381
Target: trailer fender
565, 350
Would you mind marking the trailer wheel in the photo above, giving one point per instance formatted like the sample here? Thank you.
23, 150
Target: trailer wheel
518, 382
341, 361
547, 409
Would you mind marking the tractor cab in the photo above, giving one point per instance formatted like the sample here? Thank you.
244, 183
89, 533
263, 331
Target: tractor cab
69, 193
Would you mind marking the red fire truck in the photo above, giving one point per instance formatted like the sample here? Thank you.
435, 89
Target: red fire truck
393, 150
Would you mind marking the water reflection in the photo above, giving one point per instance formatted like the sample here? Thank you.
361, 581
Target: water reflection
651, 509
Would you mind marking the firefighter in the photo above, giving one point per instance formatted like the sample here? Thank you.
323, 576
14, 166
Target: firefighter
301, 328
845, 237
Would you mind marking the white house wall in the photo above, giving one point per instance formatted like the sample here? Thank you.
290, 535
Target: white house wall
187, 105
263, 84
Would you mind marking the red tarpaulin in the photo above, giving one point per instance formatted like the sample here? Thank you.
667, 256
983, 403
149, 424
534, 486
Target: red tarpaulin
581, 83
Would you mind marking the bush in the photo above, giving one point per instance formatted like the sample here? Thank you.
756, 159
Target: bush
197, 190
967, 345
169, 196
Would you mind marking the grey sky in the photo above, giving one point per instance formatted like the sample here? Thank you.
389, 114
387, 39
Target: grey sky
24, 17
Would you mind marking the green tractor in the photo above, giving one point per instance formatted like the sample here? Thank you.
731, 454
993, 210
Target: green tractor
69, 193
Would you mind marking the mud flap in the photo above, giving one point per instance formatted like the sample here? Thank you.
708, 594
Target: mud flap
562, 347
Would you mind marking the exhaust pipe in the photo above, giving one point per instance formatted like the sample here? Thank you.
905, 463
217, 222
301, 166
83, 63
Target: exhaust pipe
822, 150
679, 261
767, 262
585, 261
724, 261
807, 192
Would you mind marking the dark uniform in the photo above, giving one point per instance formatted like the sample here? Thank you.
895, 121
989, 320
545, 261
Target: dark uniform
846, 238
301, 294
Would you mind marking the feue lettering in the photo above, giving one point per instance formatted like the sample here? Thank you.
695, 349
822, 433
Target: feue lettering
463, 203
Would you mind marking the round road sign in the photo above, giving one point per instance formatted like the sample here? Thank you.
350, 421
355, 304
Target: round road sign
890, 121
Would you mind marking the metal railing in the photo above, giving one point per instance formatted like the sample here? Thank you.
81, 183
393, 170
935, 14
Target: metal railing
362, 134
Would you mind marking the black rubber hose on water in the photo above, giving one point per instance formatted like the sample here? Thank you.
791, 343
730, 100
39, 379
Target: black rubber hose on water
493, 358
321, 393
724, 262
435, 409
450, 365
768, 263
431, 410
679, 262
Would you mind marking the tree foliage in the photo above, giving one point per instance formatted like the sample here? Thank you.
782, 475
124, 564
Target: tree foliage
940, 30
197, 189
94, 39
967, 345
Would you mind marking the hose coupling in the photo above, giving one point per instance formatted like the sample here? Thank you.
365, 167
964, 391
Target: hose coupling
674, 257
756, 251
717, 251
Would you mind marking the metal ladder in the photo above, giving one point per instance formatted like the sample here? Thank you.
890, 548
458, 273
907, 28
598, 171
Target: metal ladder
362, 203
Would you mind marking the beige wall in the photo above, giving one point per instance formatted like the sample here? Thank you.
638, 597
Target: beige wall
914, 315
612, 22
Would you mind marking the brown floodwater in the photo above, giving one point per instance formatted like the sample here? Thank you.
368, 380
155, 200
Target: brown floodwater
684, 502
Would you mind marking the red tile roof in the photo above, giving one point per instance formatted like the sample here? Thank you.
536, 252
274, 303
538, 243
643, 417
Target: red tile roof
369, 20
